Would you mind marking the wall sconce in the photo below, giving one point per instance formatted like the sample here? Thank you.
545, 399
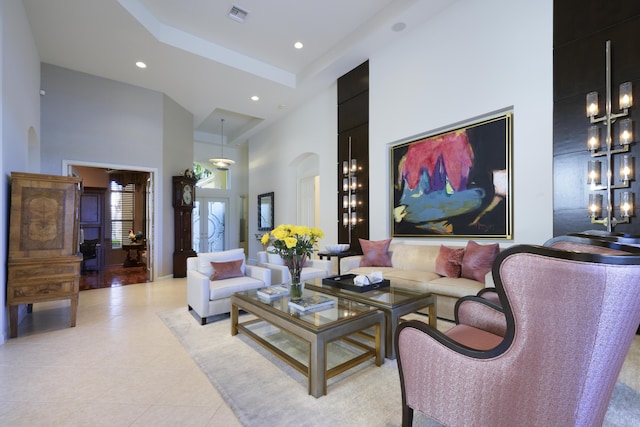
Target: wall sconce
349, 188
625, 138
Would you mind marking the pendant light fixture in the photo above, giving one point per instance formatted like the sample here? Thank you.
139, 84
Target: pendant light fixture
221, 163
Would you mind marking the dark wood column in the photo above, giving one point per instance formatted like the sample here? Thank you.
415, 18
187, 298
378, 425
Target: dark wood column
353, 131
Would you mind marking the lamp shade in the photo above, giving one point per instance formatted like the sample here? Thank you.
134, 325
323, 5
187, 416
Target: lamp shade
593, 172
593, 138
626, 131
595, 205
626, 168
626, 95
626, 204
592, 104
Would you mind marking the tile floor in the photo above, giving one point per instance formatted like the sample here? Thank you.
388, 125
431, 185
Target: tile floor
120, 366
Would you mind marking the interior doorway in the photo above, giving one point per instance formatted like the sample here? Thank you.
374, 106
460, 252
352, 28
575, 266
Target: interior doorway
118, 213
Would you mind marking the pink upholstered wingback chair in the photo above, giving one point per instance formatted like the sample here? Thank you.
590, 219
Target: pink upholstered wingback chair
570, 319
484, 310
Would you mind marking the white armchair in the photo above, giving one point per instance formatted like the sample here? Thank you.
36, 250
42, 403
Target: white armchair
210, 297
312, 269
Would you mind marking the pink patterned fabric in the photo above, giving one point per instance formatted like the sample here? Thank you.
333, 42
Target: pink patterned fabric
449, 261
375, 254
570, 325
478, 259
474, 313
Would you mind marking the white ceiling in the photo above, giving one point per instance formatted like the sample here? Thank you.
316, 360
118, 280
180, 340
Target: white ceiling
211, 64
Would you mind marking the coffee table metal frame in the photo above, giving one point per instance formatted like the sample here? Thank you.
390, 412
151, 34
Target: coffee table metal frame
405, 301
317, 337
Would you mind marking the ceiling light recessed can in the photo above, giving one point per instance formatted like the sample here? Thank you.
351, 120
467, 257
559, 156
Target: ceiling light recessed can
399, 26
255, 98
298, 45
141, 64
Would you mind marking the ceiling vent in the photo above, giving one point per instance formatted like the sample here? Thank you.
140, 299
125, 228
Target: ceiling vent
238, 14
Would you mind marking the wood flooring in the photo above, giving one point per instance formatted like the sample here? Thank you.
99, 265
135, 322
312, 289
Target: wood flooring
113, 276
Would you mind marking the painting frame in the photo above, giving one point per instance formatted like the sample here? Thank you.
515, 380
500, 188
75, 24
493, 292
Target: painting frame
456, 182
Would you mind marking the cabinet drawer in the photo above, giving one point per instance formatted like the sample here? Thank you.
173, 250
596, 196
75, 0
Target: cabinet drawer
43, 271
43, 291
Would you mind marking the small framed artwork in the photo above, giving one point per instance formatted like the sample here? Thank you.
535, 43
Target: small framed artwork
456, 183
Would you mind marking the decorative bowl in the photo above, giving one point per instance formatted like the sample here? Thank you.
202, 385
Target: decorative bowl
340, 247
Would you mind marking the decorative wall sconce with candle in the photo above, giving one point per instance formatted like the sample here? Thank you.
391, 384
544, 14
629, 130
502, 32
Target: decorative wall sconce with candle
625, 163
349, 192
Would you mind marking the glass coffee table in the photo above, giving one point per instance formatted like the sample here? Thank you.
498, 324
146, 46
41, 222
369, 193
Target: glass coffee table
394, 302
309, 340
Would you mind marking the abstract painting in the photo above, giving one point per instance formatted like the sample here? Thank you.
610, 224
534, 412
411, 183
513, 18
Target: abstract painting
455, 183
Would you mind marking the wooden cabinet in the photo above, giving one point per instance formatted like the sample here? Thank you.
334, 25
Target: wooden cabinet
43, 262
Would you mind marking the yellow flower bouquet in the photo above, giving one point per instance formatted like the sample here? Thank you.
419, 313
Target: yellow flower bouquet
294, 243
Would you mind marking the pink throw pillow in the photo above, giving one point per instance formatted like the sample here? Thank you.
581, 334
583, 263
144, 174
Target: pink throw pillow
375, 254
478, 259
449, 261
226, 270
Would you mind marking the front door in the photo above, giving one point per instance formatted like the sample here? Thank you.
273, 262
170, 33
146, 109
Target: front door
209, 218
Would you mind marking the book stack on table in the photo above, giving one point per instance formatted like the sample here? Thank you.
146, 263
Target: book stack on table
272, 292
315, 302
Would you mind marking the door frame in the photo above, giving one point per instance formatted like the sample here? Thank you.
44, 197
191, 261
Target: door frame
152, 202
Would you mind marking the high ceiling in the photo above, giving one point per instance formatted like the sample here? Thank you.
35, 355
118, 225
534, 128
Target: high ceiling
211, 64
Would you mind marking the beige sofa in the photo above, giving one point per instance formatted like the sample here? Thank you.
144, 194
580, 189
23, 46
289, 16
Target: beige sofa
414, 267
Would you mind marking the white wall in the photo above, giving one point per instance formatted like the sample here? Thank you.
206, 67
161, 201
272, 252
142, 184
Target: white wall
476, 57
276, 153
19, 113
86, 118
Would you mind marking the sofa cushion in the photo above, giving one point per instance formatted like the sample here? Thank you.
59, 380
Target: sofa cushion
220, 289
414, 257
455, 287
411, 279
375, 254
226, 269
449, 261
205, 259
478, 259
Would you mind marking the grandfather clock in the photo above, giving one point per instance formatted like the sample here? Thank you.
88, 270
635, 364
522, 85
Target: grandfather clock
184, 193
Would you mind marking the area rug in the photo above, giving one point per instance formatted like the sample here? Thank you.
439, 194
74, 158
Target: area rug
262, 390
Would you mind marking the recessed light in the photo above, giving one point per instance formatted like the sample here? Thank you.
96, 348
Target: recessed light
298, 45
141, 64
255, 98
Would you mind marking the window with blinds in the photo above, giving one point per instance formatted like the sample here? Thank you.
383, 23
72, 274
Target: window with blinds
122, 213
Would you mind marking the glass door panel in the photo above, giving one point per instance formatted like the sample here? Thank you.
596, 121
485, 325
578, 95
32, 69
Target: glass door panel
209, 218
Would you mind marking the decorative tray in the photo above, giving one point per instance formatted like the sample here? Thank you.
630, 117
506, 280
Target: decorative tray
345, 281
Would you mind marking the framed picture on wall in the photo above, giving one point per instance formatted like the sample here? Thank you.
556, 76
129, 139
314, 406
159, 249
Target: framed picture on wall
456, 183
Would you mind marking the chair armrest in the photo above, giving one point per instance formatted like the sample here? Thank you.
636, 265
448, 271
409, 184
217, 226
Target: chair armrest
481, 313
259, 273
198, 291
349, 263
279, 273
321, 265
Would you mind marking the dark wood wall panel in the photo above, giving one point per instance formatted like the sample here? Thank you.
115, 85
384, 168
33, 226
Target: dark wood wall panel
581, 29
353, 124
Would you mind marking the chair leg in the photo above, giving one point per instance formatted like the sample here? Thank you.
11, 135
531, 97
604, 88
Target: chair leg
407, 416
